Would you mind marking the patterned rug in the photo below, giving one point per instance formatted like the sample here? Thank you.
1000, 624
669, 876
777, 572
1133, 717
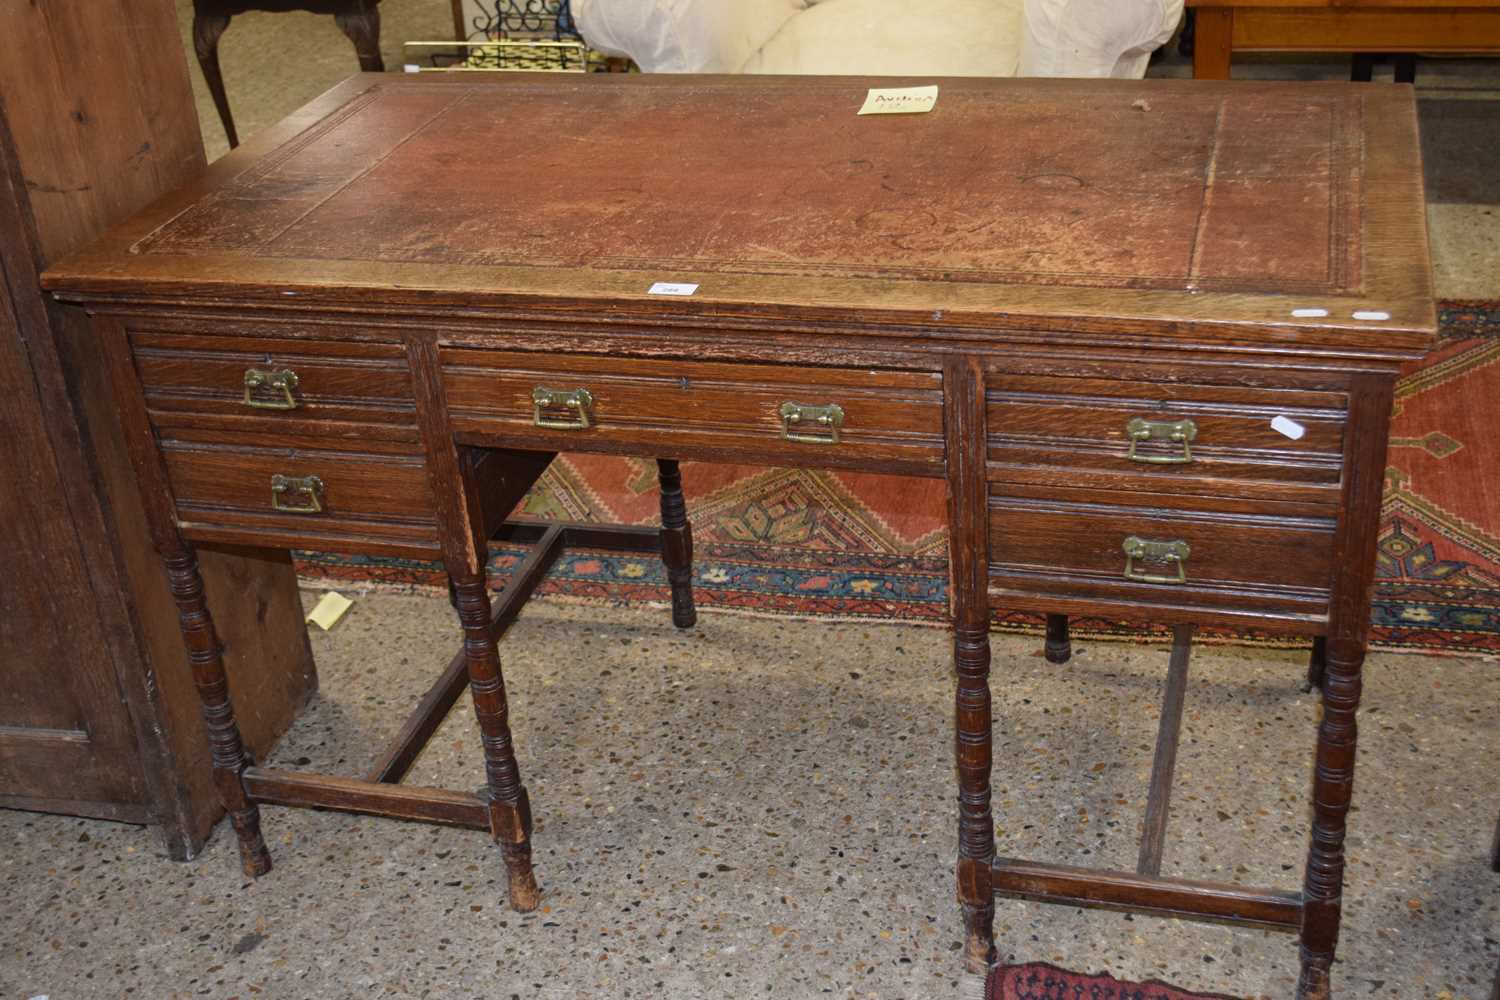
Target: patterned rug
1039, 981
802, 542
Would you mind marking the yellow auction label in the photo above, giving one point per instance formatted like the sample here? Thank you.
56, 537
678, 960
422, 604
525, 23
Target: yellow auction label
899, 100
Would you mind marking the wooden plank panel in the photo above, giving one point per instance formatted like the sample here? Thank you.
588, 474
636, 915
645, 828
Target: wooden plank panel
1351, 30
101, 121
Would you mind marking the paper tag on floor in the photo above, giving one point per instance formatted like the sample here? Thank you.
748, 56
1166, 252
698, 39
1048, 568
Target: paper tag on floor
899, 100
327, 612
1289, 427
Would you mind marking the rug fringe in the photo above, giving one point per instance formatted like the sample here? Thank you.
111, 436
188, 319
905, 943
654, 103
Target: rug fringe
315, 584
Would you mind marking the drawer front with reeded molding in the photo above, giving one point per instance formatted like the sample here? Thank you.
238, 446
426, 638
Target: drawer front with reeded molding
1145, 550
1211, 440
276, 385
780, 413
303, 497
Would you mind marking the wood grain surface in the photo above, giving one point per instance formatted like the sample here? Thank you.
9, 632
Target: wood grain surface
1202, 204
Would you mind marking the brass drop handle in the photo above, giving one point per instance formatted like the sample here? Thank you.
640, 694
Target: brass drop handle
578, 406
1175, 552
306, 493
1176, 431
811, 424
279, 384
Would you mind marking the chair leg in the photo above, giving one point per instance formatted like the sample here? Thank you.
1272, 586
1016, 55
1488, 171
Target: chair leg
1362, 67
676, 543
1317, 664
1058, 649
207, 28
362, 26
1189, 30
1406, 68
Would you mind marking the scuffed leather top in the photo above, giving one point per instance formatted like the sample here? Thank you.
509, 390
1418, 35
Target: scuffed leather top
758, 188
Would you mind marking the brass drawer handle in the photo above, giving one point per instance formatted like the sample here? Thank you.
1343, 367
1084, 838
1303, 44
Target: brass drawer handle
280, 383
306, 491
825, 422
579, 403
1176, 552
1176, 431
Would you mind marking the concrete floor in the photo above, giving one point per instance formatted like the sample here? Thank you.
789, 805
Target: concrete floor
765, 808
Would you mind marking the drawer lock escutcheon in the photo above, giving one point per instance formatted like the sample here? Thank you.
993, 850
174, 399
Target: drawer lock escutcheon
811, 424
577, 407
268, 390
1178, 432
297, 494
1143, 550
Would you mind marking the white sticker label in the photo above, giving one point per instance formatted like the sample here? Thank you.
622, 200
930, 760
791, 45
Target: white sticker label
899, 100
1289, 427
1372, 314
412, 68
671, 288
1309, 313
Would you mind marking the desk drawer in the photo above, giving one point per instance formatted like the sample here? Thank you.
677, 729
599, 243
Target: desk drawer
581, 402
1235, 556
274, 383
306, 495
1157, 436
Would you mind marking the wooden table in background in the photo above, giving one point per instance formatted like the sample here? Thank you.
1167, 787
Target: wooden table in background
1147, 332
1228, 26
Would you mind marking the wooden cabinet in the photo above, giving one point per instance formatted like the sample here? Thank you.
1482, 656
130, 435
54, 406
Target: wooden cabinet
97, 711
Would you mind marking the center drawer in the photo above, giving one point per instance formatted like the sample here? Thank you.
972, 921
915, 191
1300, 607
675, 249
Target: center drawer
828, 416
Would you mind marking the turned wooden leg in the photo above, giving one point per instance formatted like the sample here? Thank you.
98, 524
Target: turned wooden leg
976, 825
510, 810
1059, 649
361, 24
676, 543
969, 562
207, 27
227, 750
1317, 664
1333, 782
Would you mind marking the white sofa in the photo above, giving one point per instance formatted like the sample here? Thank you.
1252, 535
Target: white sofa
882, 37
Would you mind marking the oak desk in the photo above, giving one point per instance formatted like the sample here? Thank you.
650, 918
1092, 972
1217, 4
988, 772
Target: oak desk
1146, 332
